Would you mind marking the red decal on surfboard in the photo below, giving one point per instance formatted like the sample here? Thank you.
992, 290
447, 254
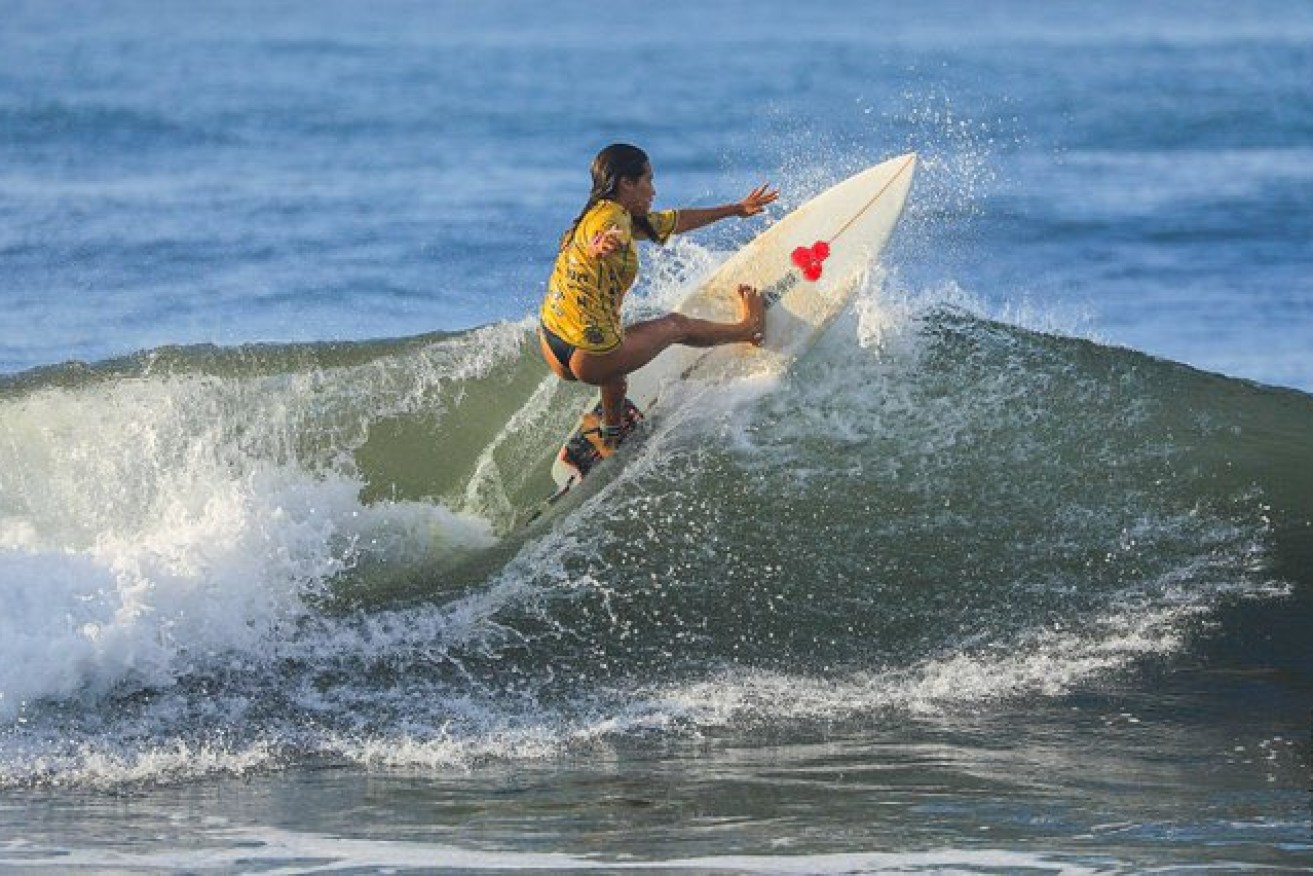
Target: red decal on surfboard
809, 259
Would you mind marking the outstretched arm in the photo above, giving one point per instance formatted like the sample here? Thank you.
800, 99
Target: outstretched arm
696, 217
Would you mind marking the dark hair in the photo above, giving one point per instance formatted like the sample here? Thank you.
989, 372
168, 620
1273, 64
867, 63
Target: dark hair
614, 163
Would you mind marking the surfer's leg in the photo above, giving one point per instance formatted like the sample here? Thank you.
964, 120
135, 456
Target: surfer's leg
645, 340
750, 327
613, 405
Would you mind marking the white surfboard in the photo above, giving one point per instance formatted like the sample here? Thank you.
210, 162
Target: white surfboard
807, 266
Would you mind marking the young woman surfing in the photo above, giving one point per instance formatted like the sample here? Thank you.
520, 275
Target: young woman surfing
581, 334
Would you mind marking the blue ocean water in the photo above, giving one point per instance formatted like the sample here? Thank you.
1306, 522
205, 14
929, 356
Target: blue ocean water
1011, 573
229, 173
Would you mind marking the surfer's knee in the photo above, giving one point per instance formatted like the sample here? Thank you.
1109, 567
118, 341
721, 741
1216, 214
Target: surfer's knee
681, 327
597, 370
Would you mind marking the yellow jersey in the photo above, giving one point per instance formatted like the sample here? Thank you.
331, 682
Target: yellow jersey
584, 294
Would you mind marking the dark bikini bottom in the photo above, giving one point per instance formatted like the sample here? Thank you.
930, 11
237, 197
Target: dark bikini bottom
560, 349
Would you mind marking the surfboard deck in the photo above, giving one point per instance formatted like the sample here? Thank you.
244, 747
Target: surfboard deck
807, 266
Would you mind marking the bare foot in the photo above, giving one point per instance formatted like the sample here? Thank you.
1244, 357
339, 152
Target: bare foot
752, 314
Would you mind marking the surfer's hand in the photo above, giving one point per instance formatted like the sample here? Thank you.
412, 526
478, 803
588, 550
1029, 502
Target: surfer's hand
606, 242
757, 200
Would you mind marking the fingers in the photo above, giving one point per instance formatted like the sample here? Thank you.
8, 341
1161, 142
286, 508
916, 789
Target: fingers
758, 199
606, 242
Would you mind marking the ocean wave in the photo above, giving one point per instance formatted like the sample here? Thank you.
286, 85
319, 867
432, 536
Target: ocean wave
323, 551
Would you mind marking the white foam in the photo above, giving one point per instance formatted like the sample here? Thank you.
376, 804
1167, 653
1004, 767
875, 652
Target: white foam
149, 523
1053, 665
141, 606
271, 850
92, 767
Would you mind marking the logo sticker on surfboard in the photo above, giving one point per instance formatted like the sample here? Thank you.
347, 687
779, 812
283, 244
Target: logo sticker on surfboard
809, 259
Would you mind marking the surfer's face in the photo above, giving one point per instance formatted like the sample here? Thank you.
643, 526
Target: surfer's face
636, 195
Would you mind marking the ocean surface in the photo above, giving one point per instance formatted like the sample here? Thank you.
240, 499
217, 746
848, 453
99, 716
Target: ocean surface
1013, 572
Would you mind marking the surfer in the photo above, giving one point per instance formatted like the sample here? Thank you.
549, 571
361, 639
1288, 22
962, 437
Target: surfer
581, 334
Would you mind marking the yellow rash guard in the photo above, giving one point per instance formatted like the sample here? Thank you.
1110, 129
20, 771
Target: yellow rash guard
583, 300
